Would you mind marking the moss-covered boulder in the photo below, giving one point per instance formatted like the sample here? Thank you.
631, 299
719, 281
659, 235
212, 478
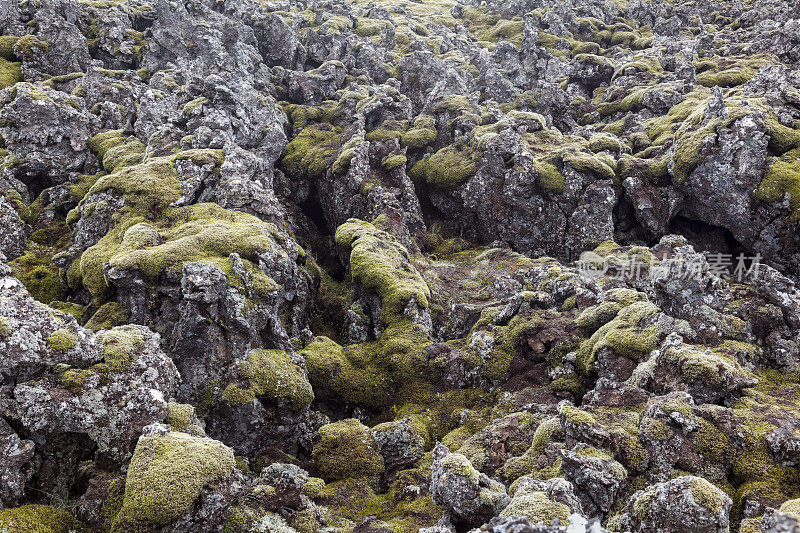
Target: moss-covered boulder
37, 519
165, 476
347, 449
381, 265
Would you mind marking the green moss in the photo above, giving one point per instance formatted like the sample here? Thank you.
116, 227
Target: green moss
203, 232
76, 310
587, 163
781, 181
656, 429
74, 379
537, 507
382, 265
148, 187
62, 340
312, 151
387, 130
422, 134
577, 416
190, 107
274, 376
791, 506
119, 349
7, 43
115, 151
548, 177
374, 374
393, 161
180, 415
113, 502
37, 519
35, 269
707, 495
5, 328
624, 334
629, 102
366, 27
459, 465
346, 449
236, 395
107, 316
29, 45
10, 73
165, 476
706, 366
601, 142
728, 77
446, 169
547, 431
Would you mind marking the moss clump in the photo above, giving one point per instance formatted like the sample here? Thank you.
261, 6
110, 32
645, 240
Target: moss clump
537, 507
422, 133
119, 349
203, 232
166, 474
393, 161
37, 519
7, 43
62, 340
346, 449
5, 328
74, 379
190, 107
312, 151
624, 334
704, 366
549, 178
180, 415
35, 269
28, 45
602, 142
151, 186
590, 164
707, 495
274, 376
548, 430
115, 151
459, 465
446, 169
107, 316
236, 395
10, 73
782, 181
573, 415
382, 265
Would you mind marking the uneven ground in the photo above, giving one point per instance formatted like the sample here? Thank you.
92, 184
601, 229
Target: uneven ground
399, 265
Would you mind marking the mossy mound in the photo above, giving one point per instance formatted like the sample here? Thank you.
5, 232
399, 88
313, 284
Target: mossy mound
346, 449
274, 376
447, 168
166, 474
37, 519
115, 151
782, 181
382, 265
626, 334
372, 374
203, 232
312, 151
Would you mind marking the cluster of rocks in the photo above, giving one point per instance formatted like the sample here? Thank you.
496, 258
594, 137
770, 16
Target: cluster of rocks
373, 266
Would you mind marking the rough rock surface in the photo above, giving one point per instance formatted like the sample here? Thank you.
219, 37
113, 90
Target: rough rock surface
372, 266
